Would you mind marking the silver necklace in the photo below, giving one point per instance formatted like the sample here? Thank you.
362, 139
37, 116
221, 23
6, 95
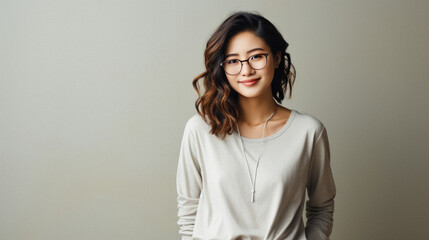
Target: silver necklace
252, 181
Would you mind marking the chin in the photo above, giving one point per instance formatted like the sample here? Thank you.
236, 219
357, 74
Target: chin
254, 93
250, 95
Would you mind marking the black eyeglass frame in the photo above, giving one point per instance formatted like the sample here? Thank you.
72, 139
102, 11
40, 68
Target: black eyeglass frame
247, 60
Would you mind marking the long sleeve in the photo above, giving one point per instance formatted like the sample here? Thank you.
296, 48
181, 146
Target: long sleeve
321, 191
189, 184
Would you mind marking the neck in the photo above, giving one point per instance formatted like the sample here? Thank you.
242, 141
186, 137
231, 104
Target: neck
254, 111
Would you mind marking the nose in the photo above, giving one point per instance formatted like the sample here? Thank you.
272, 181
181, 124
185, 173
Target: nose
246, 69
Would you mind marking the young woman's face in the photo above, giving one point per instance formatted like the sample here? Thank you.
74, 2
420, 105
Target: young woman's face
242, 46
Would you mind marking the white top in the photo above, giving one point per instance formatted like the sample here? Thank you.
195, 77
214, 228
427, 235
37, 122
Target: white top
214, 190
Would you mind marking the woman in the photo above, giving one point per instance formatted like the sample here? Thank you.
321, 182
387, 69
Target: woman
245, 161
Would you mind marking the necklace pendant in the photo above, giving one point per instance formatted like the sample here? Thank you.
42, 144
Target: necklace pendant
252, 199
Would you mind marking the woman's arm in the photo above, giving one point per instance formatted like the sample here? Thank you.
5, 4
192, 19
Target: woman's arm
321, 191
189, 184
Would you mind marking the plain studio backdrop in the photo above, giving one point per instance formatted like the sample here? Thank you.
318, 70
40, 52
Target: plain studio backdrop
94, 97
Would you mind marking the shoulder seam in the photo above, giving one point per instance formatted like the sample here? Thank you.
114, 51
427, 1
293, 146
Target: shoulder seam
321, 132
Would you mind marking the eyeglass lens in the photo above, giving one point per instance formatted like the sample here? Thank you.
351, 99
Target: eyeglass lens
256, 62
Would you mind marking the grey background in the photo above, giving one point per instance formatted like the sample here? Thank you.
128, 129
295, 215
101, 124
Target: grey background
94, 96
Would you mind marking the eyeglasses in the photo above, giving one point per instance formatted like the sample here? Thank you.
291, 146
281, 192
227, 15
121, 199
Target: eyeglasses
234, 66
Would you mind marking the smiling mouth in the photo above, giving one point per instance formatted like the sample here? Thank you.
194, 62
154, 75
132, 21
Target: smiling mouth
249, 82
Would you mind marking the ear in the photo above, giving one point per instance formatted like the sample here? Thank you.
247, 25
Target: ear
277, 58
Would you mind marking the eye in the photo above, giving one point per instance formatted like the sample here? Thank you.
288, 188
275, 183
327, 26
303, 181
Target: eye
232, 61
256, 57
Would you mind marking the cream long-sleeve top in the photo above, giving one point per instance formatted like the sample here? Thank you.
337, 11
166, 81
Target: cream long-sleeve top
214, 186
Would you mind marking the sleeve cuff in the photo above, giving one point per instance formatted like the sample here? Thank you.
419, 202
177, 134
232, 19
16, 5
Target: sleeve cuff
315, 234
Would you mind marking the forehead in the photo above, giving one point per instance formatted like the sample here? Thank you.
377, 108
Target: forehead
243, 42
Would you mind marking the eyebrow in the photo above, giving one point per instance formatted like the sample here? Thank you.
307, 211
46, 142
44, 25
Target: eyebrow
236, 54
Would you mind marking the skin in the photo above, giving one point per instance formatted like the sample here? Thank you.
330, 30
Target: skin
256, 101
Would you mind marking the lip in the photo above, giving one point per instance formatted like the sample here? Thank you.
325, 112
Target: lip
249, 82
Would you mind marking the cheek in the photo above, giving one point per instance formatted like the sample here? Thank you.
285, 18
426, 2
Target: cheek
233, 83
232, 80
269, 71
272, 67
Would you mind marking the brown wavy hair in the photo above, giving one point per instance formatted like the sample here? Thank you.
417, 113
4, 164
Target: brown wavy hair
218, 106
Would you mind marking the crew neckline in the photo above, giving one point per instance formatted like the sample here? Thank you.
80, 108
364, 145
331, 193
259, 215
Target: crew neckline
276, 134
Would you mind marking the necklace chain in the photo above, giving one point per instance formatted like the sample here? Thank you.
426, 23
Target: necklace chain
252, 181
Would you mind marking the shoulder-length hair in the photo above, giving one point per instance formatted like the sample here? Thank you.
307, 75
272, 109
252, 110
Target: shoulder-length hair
218, 106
